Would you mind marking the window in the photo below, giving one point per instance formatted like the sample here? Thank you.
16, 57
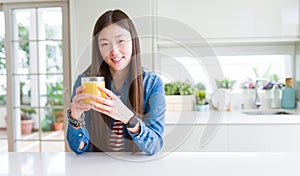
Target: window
250, 67
38, 55
234, 62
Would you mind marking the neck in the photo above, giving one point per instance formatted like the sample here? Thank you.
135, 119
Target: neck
119, 76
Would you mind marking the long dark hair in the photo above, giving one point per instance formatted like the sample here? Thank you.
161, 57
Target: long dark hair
98, 125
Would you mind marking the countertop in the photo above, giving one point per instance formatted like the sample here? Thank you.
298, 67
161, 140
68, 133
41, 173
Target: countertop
177, 163
235, 117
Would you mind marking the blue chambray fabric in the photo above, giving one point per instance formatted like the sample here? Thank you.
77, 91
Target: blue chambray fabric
150, 138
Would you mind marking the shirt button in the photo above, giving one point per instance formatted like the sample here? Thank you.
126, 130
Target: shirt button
80, 134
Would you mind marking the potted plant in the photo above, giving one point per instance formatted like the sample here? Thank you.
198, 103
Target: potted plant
265, 85
27, 120
55, 98
58, 124
179, 96
225, 83
201, 101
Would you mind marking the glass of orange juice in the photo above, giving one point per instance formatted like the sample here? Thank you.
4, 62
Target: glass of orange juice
91, 87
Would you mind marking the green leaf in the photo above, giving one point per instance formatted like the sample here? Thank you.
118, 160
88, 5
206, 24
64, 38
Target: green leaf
267, 72
178, 88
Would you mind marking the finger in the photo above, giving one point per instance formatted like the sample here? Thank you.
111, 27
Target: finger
101, 111
80, 89
78, 98
105, 101
107, 92
82, 106
101, 107
107, 97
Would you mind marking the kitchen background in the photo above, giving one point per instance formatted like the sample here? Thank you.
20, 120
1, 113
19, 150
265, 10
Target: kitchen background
47, 44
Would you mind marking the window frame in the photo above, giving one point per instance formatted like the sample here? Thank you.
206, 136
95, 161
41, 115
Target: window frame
7, 8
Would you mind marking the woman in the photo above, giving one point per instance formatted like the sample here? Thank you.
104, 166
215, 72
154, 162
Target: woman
131, 116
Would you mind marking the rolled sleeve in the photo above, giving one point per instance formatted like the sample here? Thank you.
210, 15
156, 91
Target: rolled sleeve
75, 137
147, 140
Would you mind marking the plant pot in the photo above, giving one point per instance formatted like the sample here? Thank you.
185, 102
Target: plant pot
26, 126
201, 108
58, 126
179, 102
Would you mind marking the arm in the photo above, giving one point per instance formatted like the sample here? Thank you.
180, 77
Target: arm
150, 139
78, 138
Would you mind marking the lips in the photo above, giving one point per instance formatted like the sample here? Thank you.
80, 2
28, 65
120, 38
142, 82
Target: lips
117, 60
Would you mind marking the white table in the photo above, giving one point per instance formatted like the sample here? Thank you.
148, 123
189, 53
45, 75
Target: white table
205, 164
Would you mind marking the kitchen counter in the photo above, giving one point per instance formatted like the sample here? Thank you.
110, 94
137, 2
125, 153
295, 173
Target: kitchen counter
234, 131
177, 163
235, 117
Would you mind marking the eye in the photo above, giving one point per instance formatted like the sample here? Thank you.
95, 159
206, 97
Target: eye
103, 44
121, 41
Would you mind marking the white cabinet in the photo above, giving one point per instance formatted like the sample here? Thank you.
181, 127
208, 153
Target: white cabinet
195, 138
234, 18
264, 138
233, 138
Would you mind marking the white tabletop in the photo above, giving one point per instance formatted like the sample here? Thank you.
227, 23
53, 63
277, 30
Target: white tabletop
206, 164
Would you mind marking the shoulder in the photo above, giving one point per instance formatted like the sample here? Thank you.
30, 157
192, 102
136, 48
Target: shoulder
150, 77
151, 81
84, 74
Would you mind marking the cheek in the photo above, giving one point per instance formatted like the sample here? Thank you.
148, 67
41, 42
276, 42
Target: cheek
104, 53
127, 49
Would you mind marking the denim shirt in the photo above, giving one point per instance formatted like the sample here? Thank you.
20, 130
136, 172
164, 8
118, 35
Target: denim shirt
149, 139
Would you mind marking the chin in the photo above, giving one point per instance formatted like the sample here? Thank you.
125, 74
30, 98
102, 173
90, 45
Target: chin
118, 68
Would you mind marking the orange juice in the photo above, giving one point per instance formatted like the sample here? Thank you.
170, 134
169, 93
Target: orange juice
91, 87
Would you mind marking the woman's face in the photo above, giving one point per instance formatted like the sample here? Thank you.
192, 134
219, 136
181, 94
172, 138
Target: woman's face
115, 46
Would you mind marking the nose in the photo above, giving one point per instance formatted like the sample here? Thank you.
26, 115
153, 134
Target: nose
115, 53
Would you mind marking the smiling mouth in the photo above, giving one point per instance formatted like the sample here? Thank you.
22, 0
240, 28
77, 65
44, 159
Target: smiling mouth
117, 59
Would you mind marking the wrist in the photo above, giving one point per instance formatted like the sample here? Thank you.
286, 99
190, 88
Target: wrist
132, 122
77, 123
129, 117
136, 129
76, 116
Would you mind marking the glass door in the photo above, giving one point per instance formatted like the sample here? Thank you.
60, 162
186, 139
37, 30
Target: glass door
38, 65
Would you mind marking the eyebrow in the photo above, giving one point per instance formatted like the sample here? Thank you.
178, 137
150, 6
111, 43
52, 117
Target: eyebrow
117, 36
120, 35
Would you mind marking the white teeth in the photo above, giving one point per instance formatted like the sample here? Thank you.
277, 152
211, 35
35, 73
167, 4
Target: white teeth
117, 59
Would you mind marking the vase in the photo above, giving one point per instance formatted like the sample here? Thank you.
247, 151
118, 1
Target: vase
201, 108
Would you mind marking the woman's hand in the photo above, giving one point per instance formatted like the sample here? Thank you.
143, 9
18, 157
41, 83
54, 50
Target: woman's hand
112, 106
78, 106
